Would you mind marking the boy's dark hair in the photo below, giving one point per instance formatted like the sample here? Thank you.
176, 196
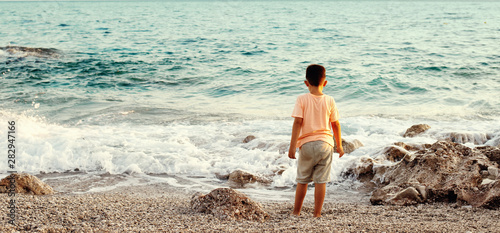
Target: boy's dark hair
314, 74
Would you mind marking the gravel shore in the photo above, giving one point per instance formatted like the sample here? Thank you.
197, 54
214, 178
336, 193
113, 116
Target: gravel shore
161, 208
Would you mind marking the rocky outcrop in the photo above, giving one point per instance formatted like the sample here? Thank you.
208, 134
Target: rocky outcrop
416, 130
226, 203
349, 147
25, 183
239, 178
36, 52
441, 172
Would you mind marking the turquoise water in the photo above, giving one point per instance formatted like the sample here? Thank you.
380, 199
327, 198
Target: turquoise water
387, 58
174, 87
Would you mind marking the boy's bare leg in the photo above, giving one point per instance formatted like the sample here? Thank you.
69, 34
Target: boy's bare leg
319, 198
300, 194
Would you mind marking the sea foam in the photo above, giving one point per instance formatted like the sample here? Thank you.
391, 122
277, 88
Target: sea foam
200, 151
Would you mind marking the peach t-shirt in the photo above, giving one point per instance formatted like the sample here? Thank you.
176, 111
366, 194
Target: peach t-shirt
317, 111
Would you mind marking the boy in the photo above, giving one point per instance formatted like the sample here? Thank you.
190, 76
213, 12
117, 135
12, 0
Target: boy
315, 116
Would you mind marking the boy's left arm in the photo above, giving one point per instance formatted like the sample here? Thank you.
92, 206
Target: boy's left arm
297, 123
338, 139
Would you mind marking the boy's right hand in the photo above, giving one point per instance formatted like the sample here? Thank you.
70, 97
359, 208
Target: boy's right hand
291, 153
340, 150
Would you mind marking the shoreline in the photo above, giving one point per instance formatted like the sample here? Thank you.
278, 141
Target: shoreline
163, 208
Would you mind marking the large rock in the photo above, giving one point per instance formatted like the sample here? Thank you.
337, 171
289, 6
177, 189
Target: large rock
349, 146
239, 178
26, 183
416, 130
226, 203
441, 172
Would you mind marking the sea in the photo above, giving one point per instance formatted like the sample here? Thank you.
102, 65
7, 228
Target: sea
166, 91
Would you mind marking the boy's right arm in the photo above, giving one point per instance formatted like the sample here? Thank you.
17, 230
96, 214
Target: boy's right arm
297, 123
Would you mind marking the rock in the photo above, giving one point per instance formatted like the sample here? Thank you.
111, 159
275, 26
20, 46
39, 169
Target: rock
349, 146
493, 172
416, 130
226, 203
36, 52
396, 195
487, 181
362, 170
477, 139
26, 183
442, 172
222, 176
493, 153
280, 169
248, 138
407, 196
487, 196
399, 150
239, 178
395, 153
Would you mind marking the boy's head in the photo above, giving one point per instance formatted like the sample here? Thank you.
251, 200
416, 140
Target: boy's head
315, 74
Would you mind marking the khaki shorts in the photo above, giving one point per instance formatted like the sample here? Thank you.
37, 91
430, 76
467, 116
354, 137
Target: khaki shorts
315, 162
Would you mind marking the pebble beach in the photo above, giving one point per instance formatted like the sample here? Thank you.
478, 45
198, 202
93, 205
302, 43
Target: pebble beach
163, 208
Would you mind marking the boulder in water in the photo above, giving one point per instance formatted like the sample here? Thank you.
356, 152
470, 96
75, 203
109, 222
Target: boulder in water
349, 146
239, 178
416, 130
248, 139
